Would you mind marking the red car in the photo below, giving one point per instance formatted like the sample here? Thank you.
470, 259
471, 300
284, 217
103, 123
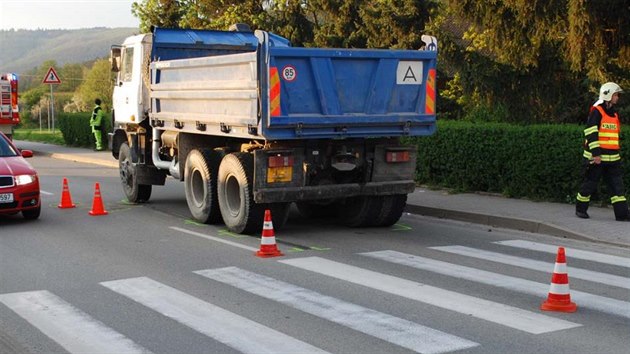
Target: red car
19, 184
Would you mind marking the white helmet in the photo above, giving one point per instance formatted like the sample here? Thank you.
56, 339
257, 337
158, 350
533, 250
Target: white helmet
607, 90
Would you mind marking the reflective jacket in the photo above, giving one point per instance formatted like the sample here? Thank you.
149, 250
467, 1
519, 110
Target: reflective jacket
602, 135
609, 128
97, 118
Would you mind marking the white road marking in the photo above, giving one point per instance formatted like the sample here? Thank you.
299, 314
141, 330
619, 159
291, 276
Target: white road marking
213, 238
582, 299
577, 273
226, 327
70, 327
487, 310
395, 330
45, 193
570, 252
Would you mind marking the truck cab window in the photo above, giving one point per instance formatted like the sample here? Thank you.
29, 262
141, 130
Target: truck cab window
127, 65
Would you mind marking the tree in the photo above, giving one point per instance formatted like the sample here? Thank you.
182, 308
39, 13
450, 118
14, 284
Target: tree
199, 14
99, 83
290, 19
537, 59
161, 13
395, 23
71, 76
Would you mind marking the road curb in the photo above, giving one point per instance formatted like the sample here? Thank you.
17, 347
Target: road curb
504, 222
76, 158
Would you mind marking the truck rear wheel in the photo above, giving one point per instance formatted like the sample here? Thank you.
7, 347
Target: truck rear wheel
391, 210
135, 193
200, 184
359, 211
240, 213
315, 209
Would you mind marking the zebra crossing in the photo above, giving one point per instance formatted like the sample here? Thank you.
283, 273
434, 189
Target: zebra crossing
78, 332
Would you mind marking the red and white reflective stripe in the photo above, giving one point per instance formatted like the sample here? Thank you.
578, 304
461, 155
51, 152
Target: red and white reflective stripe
560, 268
429, 107
274, 92
268, 226
559, 289
268, 240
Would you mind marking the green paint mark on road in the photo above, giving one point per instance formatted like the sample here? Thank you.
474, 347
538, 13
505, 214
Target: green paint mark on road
193, 222
315, 248
296, 249
225, 232
401, 227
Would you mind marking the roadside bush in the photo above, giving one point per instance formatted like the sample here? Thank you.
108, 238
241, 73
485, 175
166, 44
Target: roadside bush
538, 162
76, 129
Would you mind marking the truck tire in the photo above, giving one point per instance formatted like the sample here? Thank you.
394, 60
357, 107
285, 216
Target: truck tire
135, 193
359, 211
315, 210
391, 210
240, 213
279, 214
200, 184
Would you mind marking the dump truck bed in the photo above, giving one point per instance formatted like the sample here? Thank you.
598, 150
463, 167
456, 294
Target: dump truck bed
259, 87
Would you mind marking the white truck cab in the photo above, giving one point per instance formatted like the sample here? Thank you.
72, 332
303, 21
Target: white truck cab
131, 93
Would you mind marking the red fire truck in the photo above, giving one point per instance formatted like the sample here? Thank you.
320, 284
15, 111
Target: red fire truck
9, 113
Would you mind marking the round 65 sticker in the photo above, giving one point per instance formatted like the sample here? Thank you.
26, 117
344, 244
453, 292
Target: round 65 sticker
289, 73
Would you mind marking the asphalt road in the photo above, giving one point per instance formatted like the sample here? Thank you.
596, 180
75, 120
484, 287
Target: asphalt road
145, 278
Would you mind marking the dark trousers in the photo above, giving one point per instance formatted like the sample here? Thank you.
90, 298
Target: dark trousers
613, 175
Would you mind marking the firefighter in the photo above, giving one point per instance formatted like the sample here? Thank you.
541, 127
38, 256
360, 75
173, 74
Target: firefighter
601, 154
96, 123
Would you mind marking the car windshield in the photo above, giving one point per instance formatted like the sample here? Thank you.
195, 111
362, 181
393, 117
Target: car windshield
6, 149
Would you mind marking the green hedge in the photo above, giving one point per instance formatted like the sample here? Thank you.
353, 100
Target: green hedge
76, 129
539, 162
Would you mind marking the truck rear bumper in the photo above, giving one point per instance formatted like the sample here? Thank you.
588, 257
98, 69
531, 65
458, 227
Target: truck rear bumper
292, 194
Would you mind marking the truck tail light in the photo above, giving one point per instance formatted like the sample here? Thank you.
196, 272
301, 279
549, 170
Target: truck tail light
397, 156
280, 168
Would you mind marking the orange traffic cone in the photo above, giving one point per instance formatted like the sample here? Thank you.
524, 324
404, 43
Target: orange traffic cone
559, 298
97, 203
66, 199
268, 247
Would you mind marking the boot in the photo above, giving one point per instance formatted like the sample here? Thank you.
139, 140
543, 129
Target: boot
621, 211
582, 214
580, 210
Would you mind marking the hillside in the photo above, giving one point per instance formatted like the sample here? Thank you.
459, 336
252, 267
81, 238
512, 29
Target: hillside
22, 50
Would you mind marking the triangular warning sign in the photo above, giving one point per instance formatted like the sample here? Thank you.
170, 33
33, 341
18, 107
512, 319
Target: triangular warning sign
51, 77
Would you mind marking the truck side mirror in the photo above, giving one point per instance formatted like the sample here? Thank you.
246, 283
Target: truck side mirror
114, 59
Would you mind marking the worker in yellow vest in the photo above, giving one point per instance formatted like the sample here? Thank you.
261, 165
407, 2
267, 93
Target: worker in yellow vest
96, 122
601, 154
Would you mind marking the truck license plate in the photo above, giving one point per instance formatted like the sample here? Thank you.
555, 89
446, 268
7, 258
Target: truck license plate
6, 197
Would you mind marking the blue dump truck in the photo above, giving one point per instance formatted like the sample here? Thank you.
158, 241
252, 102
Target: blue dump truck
250, 123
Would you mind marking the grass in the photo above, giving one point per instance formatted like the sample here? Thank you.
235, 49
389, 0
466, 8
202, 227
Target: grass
44, 136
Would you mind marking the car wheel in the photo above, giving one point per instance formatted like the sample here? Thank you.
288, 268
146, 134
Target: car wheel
32, 214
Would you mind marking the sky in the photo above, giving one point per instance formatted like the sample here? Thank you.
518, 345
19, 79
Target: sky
66, 14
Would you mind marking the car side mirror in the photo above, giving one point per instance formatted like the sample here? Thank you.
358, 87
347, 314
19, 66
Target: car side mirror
27, 153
